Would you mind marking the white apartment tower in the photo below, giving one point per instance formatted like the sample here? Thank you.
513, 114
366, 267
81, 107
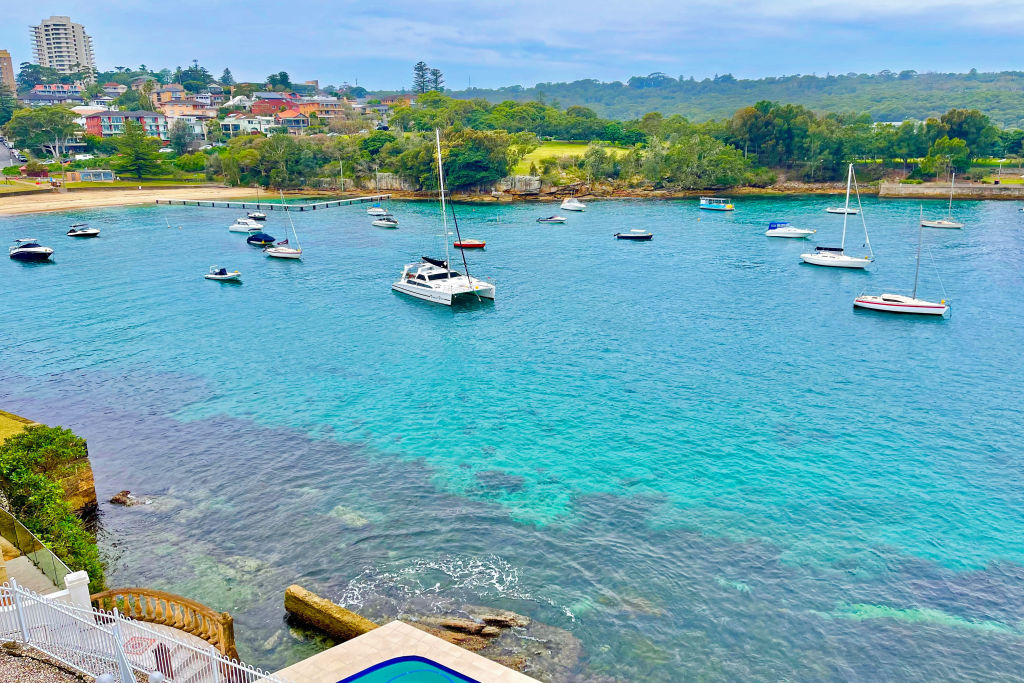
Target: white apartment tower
63, 45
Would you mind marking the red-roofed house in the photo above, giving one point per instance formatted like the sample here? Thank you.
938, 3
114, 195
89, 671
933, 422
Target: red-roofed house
295, 121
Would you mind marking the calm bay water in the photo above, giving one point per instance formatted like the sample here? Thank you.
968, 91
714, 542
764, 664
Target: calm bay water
692, 454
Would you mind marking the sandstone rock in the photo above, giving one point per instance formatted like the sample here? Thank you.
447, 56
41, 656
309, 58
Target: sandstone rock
490, 631
321, 613
349, 517
501, 618
123, 498
466, 641
462, 625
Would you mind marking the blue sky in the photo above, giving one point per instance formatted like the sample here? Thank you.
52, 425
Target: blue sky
530, 41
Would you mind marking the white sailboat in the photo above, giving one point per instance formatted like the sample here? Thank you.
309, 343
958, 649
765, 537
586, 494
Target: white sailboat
899, 303
948, 221
376, 209
283, 249
836, 257
432, 279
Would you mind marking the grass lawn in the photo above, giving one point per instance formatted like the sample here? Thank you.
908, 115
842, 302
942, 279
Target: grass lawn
557, 149
11, 424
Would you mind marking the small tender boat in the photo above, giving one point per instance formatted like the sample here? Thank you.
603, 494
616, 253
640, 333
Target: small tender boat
784, 229
223, 275
637, 235
28, 249
716, 204
256, 216
260, 239
470, 244
245, 225
842, 210
83, 230
572, 204
553, 219
376, 210
385, 221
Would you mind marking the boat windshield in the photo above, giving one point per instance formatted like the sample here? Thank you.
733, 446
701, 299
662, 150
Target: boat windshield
444, 275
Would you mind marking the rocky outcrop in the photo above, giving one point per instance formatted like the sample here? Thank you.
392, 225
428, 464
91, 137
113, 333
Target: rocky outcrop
322, 614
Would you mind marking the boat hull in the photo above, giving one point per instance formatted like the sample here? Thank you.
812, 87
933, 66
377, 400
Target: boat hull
890, 303
794, 233
634, 238
953, 225
470, 244
283, 253
230, 277
484, 290
711, 207
385, 224
85, 233
31, 255
833, 261
841, 211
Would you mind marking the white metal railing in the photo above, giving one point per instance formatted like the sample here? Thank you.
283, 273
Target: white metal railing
96, 642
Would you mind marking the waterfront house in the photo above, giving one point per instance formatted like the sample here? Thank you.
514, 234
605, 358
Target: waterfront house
57, 89
114, 90
170, 93
197, 123
295, 121
110, 124
45, 100
186, 108
241, 123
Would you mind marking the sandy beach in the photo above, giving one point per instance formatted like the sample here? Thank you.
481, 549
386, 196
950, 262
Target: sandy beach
91, 199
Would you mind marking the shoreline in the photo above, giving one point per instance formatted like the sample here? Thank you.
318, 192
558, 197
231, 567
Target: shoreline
103, 197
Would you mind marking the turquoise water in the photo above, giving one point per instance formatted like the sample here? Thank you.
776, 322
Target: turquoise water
692, 454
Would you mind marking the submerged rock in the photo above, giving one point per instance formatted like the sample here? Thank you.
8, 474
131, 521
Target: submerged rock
349, 517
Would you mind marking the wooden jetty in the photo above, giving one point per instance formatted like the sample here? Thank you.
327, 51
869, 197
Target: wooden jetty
274, 206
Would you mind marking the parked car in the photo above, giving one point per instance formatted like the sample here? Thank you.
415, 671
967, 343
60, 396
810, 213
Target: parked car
84, 157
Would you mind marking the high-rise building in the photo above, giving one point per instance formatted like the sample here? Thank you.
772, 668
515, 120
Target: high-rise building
63, 45
7, 70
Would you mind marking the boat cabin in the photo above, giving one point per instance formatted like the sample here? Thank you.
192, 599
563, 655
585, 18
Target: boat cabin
716, 204
775, 225
424, 274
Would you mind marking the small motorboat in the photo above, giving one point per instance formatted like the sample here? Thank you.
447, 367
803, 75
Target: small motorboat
842, 210
28, 249
553, 219
572, 204
784, 229
256, 216
385, 221
260, 239
716, 204
223, 275
470, 244
376, 210
83, 230
245, 225
635, 235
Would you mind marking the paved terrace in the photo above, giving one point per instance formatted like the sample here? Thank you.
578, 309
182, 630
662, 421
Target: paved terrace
396, 639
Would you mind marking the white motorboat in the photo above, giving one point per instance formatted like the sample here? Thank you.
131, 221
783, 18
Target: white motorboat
635, 235
553, 219
716, 204
223, 275
283, 249
948, 221
836, 257
842, 210
376, 210
898, 303
29, 249
245, 225
432, 279
385, 221
784, 229
572, 204
256, 216
83, 230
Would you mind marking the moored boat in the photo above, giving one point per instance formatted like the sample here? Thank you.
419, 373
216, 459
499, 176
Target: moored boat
245, 225
635, 235
260, 239
256, 216
899, 303
836, 257
784, 229
83, 230
553, 219
716, 204
470, 244
29, 249
572, 204
842, 210
385, 221
223, 275
948, 221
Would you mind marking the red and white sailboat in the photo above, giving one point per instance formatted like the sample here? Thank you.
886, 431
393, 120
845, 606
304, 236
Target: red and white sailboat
899, 303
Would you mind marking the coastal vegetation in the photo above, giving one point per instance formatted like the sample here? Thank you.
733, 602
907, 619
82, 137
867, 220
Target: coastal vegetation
32, 464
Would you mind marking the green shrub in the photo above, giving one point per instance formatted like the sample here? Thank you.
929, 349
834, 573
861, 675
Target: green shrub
38, 501
911, 181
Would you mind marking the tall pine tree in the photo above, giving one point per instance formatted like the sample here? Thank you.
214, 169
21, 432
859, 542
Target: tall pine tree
226, 78
420, 77
436, 80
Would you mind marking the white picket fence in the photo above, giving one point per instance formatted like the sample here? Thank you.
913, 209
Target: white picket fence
95, 643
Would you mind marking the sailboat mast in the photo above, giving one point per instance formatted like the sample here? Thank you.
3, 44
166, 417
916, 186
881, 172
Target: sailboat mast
444, 209
951, 185
291, 223
846, 211
863, 221
917, 270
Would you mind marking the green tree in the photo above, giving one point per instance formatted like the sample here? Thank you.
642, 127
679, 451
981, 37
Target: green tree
139, 154
420, 77
946, 154
375, 141
181, 136
974, 128
226, 78
436, 80
8, 104
32, 75
46, 129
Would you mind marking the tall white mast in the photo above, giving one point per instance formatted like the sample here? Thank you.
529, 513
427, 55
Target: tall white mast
846, 212
444, 209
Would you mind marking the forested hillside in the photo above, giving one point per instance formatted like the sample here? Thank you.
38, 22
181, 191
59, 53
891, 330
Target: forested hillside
886, 96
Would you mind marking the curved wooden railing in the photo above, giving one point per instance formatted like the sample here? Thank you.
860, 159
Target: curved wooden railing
168, 609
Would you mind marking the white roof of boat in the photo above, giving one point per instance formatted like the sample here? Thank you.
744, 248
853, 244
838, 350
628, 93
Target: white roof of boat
26, 239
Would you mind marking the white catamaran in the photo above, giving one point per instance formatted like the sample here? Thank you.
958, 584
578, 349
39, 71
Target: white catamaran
432, 279
837, 257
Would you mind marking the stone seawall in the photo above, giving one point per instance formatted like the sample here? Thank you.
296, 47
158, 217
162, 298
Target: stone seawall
941, 191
